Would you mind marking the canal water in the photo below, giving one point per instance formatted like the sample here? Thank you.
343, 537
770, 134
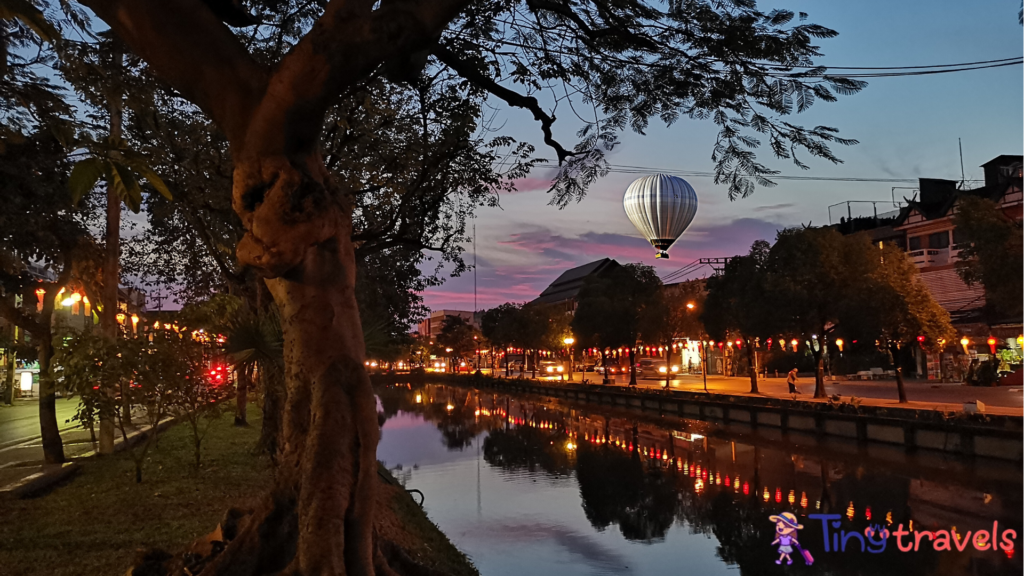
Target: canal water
529, 485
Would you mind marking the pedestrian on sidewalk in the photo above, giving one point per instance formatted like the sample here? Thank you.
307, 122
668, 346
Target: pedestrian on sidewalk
791, 380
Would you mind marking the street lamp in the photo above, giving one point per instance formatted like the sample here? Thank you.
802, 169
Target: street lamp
569, 342
449, 359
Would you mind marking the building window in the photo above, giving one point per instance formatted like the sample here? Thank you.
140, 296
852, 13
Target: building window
914, 243
938, 240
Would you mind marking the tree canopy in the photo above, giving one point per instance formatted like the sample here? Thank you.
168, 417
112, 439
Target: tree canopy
991, 254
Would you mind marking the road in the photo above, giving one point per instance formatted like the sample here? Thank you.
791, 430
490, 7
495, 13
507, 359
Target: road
21, 421
921, 393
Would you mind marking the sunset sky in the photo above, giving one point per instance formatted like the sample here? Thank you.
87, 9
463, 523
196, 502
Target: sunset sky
907, 128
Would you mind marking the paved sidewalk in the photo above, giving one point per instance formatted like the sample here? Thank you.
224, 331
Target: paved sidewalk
922, 394
20, 422
23, 470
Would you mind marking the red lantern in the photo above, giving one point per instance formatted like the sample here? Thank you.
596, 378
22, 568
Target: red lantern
920, 342
769, 341
992, 345
739, 344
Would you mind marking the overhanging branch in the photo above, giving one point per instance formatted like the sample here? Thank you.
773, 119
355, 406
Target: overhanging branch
511, 97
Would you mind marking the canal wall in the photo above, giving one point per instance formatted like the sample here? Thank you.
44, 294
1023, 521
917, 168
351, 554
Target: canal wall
971, 435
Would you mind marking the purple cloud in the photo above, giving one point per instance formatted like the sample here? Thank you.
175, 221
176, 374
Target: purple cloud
551, 253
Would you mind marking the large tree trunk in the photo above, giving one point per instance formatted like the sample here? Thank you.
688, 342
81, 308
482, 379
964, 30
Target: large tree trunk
632, 366
819, 368
752, 366
10, 367
53, 446
897, 360
242, 396
318, 517
668, 365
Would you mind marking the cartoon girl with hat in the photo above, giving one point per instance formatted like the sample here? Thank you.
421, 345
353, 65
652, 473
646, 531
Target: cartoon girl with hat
786, 526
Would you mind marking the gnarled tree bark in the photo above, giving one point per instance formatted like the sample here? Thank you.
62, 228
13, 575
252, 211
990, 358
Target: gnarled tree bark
318, 518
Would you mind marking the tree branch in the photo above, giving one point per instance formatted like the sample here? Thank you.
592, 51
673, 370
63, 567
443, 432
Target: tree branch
513, 98
16, 316
343, 47
194, 52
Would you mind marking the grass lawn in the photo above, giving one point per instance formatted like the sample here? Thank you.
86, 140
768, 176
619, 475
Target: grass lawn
94, 524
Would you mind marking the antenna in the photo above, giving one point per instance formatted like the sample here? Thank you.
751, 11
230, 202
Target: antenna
474, 264
963, 179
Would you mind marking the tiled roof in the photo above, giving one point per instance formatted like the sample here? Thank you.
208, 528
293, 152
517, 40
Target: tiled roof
951, 293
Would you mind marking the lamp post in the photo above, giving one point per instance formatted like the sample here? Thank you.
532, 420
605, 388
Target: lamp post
704, 363
569, 342
477, 344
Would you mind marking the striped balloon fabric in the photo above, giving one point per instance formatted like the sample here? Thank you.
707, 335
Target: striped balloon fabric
661, 207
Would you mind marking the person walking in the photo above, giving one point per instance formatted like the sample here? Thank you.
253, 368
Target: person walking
791, 380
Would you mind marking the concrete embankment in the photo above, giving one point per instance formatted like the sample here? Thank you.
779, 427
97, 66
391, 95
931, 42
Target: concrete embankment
865, 427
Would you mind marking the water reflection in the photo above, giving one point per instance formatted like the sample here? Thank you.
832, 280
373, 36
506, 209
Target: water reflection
578, 489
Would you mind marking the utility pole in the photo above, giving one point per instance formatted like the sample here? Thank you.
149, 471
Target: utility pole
963, 178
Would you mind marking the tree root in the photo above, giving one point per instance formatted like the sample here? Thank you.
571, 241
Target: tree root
244, 545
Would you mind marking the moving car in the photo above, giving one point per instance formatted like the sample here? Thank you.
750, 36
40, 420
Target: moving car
656, 368
550, 368
612, 369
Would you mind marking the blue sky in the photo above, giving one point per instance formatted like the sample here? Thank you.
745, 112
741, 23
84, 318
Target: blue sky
907, 128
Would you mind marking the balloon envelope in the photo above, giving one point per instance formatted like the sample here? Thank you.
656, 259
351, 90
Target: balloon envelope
661, 207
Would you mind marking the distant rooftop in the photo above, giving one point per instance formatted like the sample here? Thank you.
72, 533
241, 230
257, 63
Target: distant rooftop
568, 284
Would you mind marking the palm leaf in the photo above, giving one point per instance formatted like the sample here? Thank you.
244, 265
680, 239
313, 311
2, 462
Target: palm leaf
84, 176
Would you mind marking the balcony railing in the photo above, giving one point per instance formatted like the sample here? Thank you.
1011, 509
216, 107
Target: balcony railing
930, 257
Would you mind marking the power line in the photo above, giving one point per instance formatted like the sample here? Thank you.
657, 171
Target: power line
1016, 62
910, 70
627, 169
1014, 59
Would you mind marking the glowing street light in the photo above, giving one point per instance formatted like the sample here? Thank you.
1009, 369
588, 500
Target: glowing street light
569, 341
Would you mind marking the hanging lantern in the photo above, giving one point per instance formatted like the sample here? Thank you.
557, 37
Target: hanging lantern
746, 488
794, 343
849, 511
769, 341
778, 495
766, 495
965, 343
920, 341
120, 317
992, 345
867, 512
839, 344
739, 344
792, 497
803, 499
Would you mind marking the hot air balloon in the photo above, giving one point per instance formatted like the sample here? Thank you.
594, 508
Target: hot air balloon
661, 207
